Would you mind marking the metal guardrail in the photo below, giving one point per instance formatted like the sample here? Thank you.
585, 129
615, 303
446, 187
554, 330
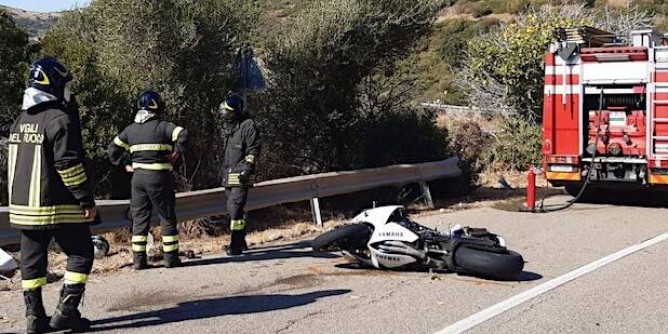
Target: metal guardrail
205, 203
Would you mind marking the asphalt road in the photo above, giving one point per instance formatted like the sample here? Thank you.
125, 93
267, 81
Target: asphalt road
288, 289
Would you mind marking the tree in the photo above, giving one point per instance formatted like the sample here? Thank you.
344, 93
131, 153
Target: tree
183, 49
312, 113
14, 52
503, 72
13, 66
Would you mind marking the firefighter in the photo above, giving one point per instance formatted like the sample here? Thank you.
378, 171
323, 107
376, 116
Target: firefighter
242, 146
50, 197
155, 145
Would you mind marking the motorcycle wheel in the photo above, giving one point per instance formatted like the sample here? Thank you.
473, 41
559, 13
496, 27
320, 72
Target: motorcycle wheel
505, 265
343, 237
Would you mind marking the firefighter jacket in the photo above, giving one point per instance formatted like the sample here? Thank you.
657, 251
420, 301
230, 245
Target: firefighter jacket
242, 147
48, 186
149, 143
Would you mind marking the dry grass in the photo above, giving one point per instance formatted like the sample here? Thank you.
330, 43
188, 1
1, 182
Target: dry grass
619, 3
291, 224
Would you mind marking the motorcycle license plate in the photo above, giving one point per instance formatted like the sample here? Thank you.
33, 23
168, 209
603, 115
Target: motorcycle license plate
617, 118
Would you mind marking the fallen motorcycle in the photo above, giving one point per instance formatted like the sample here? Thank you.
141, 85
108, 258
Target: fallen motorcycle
386, 238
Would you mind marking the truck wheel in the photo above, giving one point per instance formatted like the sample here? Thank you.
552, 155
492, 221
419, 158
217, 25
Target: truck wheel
506, 265
343, 238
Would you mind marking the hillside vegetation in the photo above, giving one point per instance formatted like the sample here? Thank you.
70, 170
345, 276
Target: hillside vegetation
437, 56
344, 76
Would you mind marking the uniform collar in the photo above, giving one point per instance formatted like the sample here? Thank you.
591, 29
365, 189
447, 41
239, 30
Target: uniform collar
144, 116
33, 97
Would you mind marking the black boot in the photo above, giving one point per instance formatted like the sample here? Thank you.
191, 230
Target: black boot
36, 319
67, 315
171, 259
139, 261
237, 242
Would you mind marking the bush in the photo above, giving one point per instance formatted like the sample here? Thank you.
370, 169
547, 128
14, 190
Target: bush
324, 92
401, 136
517, 145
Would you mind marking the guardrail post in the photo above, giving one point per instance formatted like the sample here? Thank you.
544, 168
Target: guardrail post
315, 210
427, 194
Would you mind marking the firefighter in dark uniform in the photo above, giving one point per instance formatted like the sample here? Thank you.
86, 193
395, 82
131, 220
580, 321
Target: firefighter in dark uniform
50, 197
155, 146
242, 146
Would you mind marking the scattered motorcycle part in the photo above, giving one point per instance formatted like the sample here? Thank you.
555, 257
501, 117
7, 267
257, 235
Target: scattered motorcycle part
190, 254
149, 241
7, 262
100, 247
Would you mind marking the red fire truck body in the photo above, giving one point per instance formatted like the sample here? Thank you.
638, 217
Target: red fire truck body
606, 109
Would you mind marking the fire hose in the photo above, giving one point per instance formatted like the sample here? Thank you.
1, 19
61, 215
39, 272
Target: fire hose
542, 208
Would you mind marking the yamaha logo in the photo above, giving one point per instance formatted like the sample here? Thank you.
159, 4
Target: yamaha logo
389, 258
391, 234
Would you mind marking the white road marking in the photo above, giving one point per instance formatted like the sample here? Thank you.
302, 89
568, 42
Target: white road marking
494, 310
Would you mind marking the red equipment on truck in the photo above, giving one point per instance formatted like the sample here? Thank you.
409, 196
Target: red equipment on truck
605, 113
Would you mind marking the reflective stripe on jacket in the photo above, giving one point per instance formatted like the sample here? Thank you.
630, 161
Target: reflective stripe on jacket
242, 147
149, 144
48, 184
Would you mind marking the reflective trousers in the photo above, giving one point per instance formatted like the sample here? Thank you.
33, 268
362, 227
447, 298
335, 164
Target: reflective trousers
153, 189
74, 240
236, 201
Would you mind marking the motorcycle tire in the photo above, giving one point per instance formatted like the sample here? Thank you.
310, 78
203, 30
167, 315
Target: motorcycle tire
505, 265
342, 238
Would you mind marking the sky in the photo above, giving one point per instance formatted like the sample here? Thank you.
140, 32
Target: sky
44, 5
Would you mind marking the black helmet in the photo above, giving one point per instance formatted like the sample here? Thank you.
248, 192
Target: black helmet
151, 101
49, 76
232, 107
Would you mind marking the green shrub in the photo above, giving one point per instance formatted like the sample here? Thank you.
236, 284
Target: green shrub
323, 69
517, 145
472, 146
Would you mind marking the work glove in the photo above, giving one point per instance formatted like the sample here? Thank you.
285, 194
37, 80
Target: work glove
245, 172
244, 177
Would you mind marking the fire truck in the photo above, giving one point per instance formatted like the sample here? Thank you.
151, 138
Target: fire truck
605, 112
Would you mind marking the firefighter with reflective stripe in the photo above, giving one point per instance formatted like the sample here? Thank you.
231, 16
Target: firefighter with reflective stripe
155, 146
50, 196
242, 146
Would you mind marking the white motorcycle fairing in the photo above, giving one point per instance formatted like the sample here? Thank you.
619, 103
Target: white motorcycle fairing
384, 230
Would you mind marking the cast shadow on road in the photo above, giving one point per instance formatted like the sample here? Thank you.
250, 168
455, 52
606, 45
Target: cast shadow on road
212, 308
525, 276
299, 249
